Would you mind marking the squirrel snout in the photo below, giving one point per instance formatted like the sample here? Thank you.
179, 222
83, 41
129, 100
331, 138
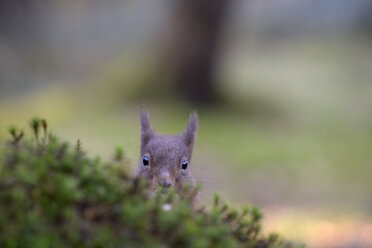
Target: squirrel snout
164, 179
165, 183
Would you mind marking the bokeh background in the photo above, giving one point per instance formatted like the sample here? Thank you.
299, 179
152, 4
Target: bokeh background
283, 90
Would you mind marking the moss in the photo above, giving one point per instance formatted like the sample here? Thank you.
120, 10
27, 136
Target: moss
53, 195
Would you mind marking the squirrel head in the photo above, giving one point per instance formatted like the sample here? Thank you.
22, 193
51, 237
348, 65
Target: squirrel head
165, 159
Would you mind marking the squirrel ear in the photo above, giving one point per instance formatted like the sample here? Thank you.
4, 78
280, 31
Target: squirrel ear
190, 133
146, 131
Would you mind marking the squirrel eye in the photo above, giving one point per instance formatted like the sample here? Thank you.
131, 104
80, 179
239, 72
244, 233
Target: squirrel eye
184, 165
145, 161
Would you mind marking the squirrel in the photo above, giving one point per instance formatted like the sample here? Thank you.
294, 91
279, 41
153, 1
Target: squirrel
165, 159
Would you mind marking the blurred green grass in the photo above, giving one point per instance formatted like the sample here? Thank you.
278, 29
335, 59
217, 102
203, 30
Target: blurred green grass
296, 115
326, 152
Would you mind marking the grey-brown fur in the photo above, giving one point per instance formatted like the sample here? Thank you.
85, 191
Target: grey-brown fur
166, 154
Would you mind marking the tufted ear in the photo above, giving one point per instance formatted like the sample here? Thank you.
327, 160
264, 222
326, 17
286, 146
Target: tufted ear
146, 131
190, 134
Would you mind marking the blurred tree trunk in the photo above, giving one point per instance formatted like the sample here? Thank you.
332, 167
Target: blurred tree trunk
192, 47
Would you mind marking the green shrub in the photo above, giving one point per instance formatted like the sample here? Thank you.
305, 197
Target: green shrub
52, 195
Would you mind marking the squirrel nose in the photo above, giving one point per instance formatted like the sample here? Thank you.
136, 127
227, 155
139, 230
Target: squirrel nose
164, 179
166, 184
